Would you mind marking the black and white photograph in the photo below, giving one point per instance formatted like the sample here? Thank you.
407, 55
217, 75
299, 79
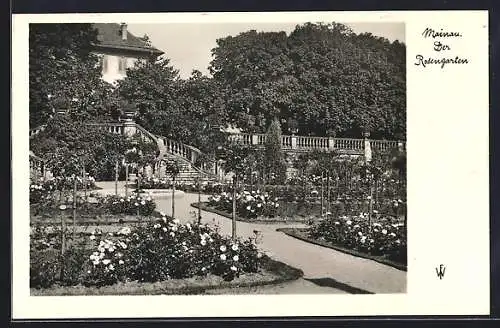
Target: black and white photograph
220, 159
172, 165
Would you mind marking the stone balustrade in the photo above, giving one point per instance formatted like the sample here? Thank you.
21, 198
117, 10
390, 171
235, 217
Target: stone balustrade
291, 142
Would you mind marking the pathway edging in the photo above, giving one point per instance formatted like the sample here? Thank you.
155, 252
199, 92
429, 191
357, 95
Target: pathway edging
292, 233
205, 207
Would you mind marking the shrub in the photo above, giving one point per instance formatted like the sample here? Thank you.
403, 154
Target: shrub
45, 267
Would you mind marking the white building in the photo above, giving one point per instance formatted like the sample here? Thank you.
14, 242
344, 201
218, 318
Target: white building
119, 49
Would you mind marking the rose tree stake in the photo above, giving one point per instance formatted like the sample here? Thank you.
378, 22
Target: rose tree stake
234, 209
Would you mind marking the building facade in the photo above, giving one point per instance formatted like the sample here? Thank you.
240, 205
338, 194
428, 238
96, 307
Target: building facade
119, 49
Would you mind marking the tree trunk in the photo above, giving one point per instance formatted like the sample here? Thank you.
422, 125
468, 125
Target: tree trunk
116, 178
328, 207
173, 197
74, 210
126, 180
322, 194
370, 208
234, 209
63, 233
84, 179
199, 202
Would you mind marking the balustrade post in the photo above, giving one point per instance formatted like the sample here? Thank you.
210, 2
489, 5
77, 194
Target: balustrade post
255, 139
294, 142
400, 146
331, 143
368, 149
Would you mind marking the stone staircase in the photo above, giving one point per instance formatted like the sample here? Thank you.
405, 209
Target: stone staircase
186, 157
169, 151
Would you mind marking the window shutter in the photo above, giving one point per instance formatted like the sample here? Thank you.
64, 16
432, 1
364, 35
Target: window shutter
122, 65
104, 64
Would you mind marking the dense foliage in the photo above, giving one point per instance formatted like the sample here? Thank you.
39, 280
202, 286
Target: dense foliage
64, 73
323, 75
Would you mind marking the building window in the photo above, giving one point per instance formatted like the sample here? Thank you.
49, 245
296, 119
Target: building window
104, 64
122, 65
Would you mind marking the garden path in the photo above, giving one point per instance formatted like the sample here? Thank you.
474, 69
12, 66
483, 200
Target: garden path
325, 269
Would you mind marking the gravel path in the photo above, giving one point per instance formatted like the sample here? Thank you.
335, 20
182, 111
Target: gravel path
325, 270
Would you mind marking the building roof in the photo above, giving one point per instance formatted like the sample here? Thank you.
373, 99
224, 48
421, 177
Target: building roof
109, 36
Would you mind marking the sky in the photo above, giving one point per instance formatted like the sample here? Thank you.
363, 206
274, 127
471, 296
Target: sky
188, 45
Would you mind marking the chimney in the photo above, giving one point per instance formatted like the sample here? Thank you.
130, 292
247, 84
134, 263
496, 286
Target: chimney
123, 29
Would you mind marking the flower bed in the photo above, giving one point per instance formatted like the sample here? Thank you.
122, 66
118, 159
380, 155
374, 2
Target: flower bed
261, 220
272, 273
156, 251
287, 202
206, 187
303, 234
133, 204
106, 209
386, 238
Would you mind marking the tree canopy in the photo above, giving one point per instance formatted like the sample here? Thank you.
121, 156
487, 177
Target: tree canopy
63, 72
323, 75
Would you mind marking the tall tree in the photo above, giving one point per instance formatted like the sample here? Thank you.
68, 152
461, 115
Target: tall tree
255, 68
274, 156
324, 75
63, 71
153, 88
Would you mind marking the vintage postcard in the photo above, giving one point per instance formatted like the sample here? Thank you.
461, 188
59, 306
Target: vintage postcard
250, 164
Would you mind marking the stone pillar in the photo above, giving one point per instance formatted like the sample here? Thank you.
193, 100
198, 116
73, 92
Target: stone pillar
368, 149
400, 146
331, 143
255, 139
294, 142
129, 128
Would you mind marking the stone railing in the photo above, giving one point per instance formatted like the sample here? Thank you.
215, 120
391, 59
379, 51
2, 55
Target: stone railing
291, 142
187, 153
383, 145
